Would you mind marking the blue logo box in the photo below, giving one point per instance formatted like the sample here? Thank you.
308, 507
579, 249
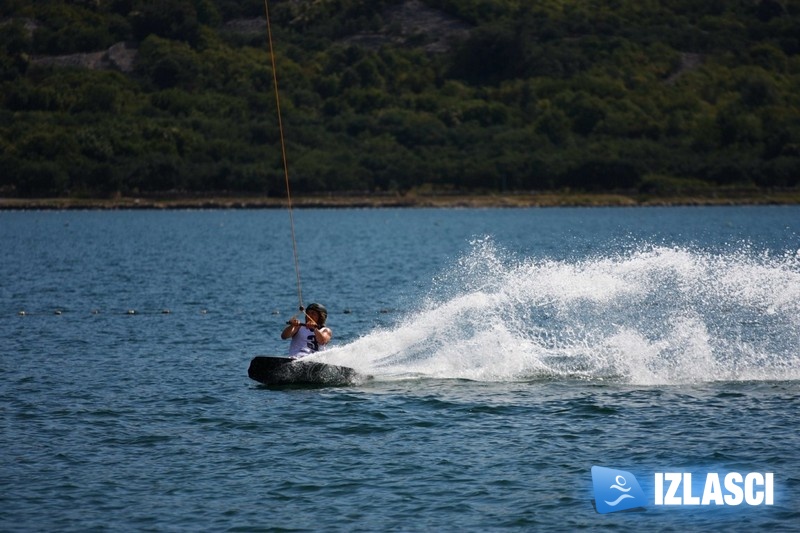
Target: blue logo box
616, 490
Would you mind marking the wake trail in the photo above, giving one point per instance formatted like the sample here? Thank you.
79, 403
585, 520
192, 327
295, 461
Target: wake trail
656, 315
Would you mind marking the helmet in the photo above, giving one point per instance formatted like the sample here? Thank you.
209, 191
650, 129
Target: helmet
319, 308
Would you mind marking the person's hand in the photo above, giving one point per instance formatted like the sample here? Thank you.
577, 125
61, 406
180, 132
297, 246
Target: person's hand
294, 322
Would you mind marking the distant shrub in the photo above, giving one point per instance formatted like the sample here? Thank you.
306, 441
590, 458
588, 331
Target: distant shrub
660, 185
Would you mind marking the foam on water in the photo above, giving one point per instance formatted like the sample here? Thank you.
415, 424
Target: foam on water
654, 315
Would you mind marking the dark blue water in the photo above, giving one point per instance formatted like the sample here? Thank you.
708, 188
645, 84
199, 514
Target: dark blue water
511, 351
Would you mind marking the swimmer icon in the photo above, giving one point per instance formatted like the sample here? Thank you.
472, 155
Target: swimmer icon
616, 490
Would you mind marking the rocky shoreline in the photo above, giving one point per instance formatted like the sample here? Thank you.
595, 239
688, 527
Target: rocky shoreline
396, 201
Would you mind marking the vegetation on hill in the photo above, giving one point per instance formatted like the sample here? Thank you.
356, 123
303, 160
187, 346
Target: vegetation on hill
665, 98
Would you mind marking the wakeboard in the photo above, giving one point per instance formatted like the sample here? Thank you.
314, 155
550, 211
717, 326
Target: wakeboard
286, 371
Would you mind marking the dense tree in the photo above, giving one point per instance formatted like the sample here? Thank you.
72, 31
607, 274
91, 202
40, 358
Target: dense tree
676, 97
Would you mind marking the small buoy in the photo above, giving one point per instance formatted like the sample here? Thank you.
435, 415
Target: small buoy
131, 311
165, 312
57, 312
22, 313
95, 311
204, 311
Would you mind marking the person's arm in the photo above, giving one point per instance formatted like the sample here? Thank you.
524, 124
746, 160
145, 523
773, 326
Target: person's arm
290, 330
323, 335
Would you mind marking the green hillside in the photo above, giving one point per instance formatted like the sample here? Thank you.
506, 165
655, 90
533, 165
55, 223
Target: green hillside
107, 97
